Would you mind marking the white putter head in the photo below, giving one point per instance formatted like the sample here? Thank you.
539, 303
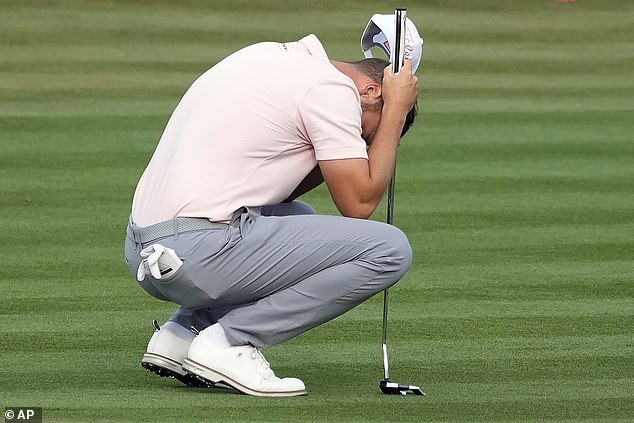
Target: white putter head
380, 32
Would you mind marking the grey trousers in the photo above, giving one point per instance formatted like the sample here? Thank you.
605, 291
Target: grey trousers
270, 278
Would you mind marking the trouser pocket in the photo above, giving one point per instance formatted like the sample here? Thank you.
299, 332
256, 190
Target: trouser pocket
167, 274
180, 288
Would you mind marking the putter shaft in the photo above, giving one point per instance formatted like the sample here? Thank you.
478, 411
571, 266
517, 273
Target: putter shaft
386, 360
399, 57
385, 385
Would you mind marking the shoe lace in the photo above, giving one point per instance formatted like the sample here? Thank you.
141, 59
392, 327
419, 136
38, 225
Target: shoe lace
263, 364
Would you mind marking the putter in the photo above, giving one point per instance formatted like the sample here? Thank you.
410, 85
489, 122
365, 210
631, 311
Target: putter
387, 386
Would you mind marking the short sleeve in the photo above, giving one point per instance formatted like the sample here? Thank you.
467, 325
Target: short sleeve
330, 114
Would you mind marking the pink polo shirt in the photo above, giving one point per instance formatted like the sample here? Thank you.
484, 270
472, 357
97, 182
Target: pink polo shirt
248, 131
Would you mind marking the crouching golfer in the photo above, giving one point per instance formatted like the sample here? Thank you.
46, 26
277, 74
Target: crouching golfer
215, 226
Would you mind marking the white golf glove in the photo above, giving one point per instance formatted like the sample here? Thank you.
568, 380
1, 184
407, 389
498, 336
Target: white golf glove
158, 261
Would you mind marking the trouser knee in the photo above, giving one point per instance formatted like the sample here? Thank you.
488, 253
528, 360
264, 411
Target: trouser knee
396, 254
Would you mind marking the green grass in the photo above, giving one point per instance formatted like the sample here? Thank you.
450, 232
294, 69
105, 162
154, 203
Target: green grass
515, 187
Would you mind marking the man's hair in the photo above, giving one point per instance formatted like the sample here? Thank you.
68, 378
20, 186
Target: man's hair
374, 68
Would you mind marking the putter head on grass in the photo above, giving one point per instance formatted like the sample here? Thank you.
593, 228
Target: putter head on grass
393, 388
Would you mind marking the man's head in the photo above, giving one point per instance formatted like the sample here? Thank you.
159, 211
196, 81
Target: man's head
370, 83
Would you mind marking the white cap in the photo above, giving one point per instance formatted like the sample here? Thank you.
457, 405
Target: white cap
379, 32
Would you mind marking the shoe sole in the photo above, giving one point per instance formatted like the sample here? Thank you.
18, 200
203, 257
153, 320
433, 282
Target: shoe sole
204, 373
165, 367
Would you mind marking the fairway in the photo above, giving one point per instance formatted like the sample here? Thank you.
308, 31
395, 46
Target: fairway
515, 187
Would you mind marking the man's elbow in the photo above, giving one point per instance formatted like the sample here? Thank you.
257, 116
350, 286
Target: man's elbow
358, 211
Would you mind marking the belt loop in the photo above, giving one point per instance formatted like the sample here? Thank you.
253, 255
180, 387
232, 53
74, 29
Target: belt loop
137, 239
135, 236
238, 214
175, 228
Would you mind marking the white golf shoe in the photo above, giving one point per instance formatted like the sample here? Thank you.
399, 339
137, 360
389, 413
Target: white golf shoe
243, 367
166, 351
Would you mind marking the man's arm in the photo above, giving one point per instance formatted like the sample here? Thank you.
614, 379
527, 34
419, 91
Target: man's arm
357, 185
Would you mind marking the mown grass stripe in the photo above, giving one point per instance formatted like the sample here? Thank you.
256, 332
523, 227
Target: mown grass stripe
514, 188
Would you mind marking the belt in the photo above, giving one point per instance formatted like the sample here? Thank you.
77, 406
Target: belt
173, 227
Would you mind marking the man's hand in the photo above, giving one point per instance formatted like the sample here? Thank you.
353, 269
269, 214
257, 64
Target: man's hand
401, 89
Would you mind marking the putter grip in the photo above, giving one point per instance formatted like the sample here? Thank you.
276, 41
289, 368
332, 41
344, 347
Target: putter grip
400, 15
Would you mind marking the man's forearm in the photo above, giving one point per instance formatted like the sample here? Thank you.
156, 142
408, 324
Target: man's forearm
382, 153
